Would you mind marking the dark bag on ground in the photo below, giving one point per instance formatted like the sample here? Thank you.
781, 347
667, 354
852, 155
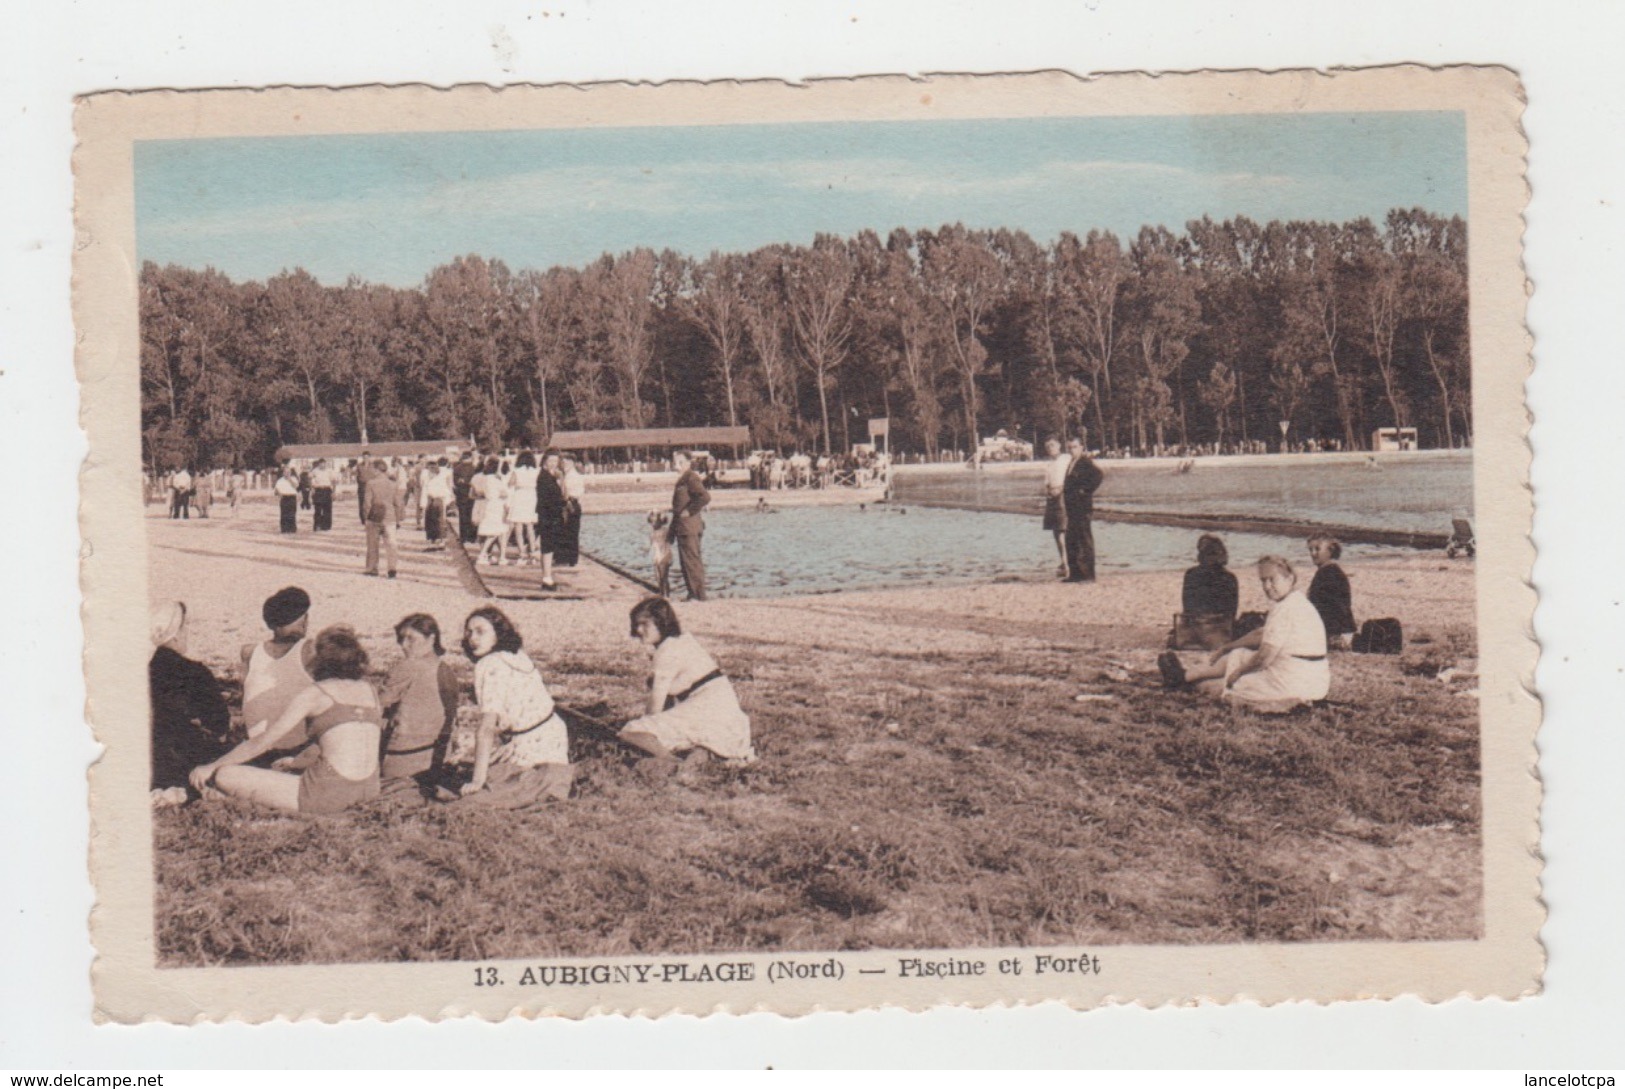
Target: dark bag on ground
1384, 636
1247, 623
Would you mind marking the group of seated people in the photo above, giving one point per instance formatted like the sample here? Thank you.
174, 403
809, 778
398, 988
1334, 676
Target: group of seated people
1274, 665
319, 736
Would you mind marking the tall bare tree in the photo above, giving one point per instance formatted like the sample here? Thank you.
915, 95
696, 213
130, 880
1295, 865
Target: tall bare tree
817, 280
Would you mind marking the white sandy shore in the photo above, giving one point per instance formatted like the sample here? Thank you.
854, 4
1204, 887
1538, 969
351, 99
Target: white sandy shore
223, 569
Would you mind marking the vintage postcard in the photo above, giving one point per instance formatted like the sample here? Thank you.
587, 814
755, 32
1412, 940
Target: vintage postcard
884, 542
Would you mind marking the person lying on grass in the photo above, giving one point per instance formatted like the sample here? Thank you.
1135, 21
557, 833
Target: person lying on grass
1276, 667
421, 694
341, 716
692, 705
519, 729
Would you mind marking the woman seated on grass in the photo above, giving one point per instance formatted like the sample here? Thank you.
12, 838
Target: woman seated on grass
1211, 594
692, 705
421, 694
190, 720
1276, 667
1329, 591
345, 723
519, 729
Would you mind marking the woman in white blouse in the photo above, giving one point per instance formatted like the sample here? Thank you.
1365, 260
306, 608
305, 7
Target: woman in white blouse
1276, 667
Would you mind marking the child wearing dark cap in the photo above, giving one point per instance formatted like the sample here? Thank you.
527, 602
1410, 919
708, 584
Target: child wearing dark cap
278, 669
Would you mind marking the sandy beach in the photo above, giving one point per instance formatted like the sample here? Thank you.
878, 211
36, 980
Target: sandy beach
223, 567
984, 764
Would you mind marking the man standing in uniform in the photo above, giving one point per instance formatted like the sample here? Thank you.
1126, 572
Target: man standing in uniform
462, 477
688, 499
1078, 498
381, 500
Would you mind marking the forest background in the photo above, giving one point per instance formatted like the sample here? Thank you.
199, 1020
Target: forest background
1200, 341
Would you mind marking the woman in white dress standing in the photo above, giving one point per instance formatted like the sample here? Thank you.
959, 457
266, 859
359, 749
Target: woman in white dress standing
493, 531
522, 505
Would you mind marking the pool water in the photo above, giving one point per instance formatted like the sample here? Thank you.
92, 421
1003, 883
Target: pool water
816, 550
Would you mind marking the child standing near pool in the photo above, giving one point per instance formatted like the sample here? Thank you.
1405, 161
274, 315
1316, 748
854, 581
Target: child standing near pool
660, 551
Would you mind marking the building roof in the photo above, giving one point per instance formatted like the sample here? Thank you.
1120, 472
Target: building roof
343, 451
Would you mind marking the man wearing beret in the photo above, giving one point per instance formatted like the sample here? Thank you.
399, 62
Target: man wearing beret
278, 669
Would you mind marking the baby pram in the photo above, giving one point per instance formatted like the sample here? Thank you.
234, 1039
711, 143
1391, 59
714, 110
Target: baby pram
1461, 539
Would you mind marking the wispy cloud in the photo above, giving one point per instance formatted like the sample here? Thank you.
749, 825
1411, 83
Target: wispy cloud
688, 188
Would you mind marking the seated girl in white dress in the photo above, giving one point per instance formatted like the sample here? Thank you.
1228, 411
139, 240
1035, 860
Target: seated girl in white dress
519, 728
1274, 668
692, 704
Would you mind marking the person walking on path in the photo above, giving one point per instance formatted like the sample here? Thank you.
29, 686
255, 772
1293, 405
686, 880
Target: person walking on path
180, 494
1083, 478
203, 489
1054, 484
436, 494
574, 485
549, 508
461, 476
382, 503
688, 499
321, 496
522, 506
287, 493
364, 471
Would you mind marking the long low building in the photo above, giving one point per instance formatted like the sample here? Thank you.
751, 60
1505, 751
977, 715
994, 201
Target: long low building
347, 451
611, 439
668, 437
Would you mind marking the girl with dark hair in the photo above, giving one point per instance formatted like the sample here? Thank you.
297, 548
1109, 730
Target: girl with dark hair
692, 704
422, 691
519, 728
342, 718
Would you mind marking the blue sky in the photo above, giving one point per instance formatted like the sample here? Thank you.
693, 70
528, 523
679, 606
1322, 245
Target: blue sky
390, 207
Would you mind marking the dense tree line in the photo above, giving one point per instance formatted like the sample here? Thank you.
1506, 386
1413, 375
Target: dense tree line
1205, 338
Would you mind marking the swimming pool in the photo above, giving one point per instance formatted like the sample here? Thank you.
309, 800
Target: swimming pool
815, 550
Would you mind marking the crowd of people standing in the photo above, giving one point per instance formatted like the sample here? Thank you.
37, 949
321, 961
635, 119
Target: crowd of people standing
520, 510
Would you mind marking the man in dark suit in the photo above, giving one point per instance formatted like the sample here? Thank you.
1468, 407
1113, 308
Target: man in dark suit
381, 502
1083, 477
688, 499
462, 494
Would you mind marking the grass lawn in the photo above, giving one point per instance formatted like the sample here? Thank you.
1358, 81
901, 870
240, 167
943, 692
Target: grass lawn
904, 799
